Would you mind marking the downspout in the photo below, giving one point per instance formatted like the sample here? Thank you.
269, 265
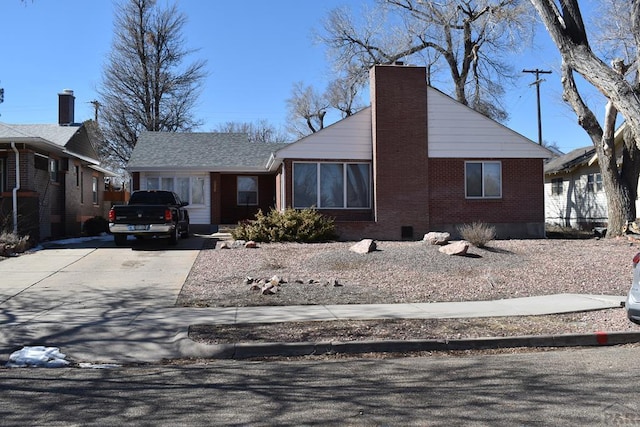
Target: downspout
15, 189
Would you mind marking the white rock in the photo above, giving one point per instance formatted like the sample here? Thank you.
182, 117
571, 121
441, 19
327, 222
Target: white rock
364, 246
456, 248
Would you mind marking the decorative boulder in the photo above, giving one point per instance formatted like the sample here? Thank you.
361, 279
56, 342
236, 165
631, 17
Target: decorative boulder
455, 248
364, 246
437, 238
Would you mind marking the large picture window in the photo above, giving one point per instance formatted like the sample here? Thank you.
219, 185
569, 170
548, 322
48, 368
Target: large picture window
331, 185
483, 180
247, 190
189, 189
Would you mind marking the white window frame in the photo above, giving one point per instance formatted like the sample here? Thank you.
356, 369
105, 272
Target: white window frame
194, 183
594, 182
54, 169
345, 199
483, 163
94, 189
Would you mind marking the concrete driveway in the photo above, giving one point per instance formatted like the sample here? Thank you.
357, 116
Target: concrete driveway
85, 297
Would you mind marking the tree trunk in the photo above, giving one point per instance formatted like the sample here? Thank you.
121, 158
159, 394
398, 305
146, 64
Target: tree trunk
566, 28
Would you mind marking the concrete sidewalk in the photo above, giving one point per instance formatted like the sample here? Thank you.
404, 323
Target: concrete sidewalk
151, 334
99, 303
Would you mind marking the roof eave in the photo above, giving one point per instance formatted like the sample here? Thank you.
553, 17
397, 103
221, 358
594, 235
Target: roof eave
243, 169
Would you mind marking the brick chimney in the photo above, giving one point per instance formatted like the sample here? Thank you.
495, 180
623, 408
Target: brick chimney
400, 154
66, 102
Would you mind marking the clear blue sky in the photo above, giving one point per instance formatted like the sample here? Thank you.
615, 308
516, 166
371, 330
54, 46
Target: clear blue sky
255, 49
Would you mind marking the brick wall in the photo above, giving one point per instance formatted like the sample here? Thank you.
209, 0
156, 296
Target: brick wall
518, 213
230, 212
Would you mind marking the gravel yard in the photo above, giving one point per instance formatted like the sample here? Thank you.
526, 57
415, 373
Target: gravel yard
401, 272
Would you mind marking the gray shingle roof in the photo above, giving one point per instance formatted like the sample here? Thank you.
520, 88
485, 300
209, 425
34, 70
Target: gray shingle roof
199, 151
52, 133
569, 161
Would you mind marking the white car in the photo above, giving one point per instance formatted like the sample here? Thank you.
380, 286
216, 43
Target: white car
632, 304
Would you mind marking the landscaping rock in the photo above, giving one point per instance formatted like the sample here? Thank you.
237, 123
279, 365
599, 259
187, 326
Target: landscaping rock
437, 238
455, 248
364, 246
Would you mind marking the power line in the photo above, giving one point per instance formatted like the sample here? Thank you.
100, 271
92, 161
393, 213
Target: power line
537, 72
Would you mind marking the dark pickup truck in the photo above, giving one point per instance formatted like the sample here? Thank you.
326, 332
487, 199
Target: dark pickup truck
150, 214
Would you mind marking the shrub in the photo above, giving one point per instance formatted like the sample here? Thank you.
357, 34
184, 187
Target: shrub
477, 233
12, 243
304, 226
95, 226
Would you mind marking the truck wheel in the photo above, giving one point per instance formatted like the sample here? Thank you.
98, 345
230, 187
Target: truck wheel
185, 232
173, 238
120, 239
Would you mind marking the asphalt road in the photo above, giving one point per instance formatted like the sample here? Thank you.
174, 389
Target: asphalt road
576, 387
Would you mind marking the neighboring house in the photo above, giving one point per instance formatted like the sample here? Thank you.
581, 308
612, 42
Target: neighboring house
415, 161
574, 192
50, 178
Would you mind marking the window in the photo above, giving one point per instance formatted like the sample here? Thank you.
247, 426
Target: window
331, 185
77, 170
247, 190
483, 180
188, 189
197, 191
594, 182
2, 175
94, 189
53, 170
557, 186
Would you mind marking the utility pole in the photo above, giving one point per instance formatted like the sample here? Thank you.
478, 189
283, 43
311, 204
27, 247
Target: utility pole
537, 72
96, 107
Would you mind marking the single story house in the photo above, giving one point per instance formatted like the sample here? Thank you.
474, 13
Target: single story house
574, 192
50, 177
414, 161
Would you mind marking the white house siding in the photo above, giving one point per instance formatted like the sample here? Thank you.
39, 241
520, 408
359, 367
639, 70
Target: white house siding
456, 130
347, 139
198, 214
575, 207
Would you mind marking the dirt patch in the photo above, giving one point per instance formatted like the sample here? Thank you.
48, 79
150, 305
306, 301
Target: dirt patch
408, 272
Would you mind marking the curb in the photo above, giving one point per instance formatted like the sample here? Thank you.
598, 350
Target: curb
257, 350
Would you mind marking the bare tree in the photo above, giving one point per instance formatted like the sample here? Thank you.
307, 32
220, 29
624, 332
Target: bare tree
342, 94
260, 131
619, 84
307, 109
465, 37
146, 85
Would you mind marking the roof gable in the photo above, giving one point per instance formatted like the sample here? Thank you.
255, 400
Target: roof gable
349, 138
456, 130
